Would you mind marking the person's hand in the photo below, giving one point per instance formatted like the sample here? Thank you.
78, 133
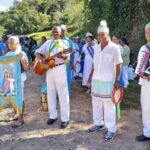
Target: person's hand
72, 67
89, 84
20, 56
44, 60
59, 55
117, 84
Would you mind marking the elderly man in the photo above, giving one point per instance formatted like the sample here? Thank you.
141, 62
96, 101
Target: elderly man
56, 78
145, 91
70, 65
107, 60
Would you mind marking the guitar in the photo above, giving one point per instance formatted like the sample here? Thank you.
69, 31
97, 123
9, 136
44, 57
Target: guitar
41, 68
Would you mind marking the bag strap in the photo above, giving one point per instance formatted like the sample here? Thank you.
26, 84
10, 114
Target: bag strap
51, 47
55, 44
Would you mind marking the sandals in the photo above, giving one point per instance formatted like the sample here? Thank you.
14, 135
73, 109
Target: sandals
13, 118
18, 124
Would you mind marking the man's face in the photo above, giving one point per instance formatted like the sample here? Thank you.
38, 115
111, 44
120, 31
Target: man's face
63, 33
102, 37
56, 33
115, 40
147, 34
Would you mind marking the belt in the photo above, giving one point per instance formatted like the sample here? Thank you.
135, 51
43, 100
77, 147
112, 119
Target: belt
59, 64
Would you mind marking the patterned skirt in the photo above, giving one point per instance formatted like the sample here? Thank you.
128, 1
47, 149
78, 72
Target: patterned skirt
102, 89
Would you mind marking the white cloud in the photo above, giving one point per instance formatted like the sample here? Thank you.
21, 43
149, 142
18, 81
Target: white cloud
3, 8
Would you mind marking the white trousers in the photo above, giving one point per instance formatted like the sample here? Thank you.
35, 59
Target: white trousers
125, 75
145, 105
56, 79
104, 112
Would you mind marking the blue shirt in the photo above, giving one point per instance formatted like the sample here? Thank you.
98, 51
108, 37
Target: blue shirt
2, 47
71, 44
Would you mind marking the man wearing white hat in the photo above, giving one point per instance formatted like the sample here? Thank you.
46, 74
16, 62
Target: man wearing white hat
145, 91
107, 61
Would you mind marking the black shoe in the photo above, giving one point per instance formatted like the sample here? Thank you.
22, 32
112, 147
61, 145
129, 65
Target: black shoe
95, 128
142, 138
64, 124
109, 136
51, 121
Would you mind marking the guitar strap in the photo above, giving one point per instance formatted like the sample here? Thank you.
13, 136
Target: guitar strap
55, 44
51, 47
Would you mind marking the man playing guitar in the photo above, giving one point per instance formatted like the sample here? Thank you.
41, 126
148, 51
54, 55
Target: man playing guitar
56, 77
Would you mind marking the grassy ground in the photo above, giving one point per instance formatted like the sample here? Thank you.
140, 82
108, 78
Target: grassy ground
132, 96
37, 36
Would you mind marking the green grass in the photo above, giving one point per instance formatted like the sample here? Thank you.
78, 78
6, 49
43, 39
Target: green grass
37, 36
131, 96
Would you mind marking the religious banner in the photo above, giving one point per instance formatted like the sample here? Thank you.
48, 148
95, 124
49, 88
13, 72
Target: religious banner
10, 82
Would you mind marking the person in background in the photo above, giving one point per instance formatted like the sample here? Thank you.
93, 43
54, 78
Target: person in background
126, 61
70, 65
77, 56
15, 47
32, 47
106, 63
88, 50
3, 46
145, 91
43, 40
80, 45
116, 40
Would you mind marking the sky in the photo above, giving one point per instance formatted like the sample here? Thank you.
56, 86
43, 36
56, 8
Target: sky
5, 4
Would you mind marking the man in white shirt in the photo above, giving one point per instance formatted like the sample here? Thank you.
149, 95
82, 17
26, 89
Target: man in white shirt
56, 78
107, 61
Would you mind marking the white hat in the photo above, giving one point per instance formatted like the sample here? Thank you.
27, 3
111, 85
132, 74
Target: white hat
63, 27
103, 27
14, 39
89, 34
147, 26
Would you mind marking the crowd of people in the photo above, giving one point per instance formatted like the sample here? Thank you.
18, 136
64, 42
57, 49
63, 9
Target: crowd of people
102, 65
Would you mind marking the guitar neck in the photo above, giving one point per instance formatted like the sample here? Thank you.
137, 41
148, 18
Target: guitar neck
65, 51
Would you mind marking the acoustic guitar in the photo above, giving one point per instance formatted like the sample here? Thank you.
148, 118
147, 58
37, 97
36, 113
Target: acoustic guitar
41, 68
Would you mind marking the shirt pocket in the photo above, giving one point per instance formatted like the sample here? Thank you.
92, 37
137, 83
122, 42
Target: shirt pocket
108, 57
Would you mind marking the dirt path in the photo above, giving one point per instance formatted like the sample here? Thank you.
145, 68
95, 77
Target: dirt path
35, 134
